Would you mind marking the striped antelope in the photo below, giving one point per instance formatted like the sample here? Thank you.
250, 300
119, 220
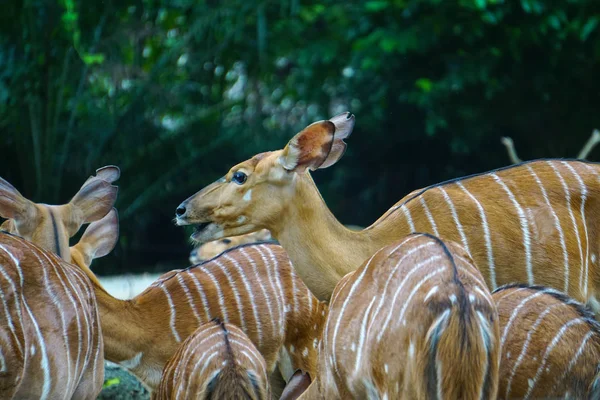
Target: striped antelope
416, 321
532, 223
50, 343
50, 227
217, 361
206, 251
550, 345
251, 286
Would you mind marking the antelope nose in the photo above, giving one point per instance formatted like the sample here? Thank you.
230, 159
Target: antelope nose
180, 210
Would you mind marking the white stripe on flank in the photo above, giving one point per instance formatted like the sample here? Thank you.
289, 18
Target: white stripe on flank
429, 216
189, 298
557, 225
362, 335
76, 309
9, 320
416, 268
259, 280
248, 288
236, 293
293, 279
173, 316
2, 361
516, 312
412, 294
14, 290
568, 199
587, 241
484, 331
485, 295
393, 272
200, 290
431, 292
524, 227
549, 349
44, 363
345, 304
574, 359
525, 347
409, 219
280, 307
459, 226
221, 298
275, 266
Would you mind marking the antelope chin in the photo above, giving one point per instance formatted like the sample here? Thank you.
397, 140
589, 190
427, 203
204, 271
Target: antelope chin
206, 232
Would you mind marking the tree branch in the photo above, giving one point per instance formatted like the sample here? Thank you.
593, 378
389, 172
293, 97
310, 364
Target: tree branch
510, 148
589, 145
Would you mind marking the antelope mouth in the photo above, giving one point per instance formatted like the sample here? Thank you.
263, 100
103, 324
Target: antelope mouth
204, 232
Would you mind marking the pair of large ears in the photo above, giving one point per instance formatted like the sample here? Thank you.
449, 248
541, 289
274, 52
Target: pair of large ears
319, 145
99, 239
97, 195
93, 201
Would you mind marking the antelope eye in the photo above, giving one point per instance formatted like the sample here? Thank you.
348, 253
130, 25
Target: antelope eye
239, 177
226, 241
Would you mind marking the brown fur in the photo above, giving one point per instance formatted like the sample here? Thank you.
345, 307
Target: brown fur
217, 361
143, 333
50, 226
439, 335
48, 298
322, 250
530, 320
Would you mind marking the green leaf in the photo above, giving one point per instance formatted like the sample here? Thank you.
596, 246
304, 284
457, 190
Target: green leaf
376, 5
111, 382
588, 28
91, 59
424, 84
481, 4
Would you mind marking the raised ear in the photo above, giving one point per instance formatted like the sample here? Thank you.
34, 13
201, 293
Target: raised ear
12, 203
309, 148
8, 226
320, 145
95, 199
344, 123
297, 385
99, 238
110, 174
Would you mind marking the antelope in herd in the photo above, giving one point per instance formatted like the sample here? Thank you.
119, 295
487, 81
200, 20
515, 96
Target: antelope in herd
50, 227
532, 223
206, 251
217, 361
50, 344
416, 321
550, 345
251, 286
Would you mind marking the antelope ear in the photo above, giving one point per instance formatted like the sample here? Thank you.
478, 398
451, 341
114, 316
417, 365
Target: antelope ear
8, 226
320, 145
344, 123
95, 199
309, 148
99, 238
110, 174
12, 204
297, 385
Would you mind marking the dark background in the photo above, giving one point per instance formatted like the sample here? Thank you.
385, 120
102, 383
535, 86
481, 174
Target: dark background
175, 92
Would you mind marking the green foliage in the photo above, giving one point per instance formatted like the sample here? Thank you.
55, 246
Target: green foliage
111, 382
176, 91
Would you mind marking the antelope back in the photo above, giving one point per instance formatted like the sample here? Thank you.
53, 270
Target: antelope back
51, 226
531, 222
251, 286
416, 322
550, 344
212, 249
216, 361
50, 336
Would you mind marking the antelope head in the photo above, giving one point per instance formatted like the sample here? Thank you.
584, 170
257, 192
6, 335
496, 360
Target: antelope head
256, 193
51, 226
